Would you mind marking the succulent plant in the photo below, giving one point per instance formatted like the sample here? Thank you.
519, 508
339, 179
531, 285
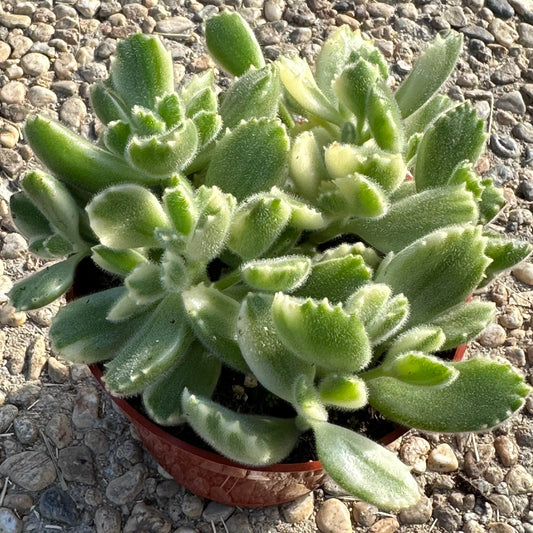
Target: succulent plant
346, 224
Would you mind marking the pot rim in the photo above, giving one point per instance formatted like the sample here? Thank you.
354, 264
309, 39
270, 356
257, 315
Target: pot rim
139, 419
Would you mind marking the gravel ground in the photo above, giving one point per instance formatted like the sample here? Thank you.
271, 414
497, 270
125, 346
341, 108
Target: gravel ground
68, 461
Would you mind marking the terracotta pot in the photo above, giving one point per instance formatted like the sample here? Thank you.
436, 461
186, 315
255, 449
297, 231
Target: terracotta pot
217, 478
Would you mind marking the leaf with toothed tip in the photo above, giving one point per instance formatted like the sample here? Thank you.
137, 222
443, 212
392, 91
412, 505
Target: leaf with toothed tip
279, 274
125, 216
489, 390
321, 334
154, 348
164, 154
116, 136
105, 104
343, 391
365, 468
247, 439
180, 206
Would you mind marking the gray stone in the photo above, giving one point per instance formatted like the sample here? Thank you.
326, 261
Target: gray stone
123, 489
41, 96
76, 464
97, 441
471, 526
73, 111
192, 505
448, 518
524, 8
36, 357
146, 519
519, 480
455, 16
364, 513
477, 32
333, 517
217, 512
86, 407
525, 34
10, 20
511, 318
19, 502
502, 503
13, 92
419, 513
501, 527
59, 429
511, 101
414, 451
300, 509
25, 430
508, 73
93, 72
380, 10
87, 8
9, 522
273, 11
31, 470
57, 371
174, 25
107, 520
524, 273
501, 8
26, 395
41, 32
20, 44
503, 33
35, 64
7, 415
239, 523
57, 505
12, 163
65, 65
524, 132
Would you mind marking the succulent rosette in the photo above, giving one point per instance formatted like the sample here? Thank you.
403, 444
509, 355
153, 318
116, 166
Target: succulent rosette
338, 279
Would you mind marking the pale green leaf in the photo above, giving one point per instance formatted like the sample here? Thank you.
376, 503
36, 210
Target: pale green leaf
278, 274
144, 283
419, 339
120, 262
343, 391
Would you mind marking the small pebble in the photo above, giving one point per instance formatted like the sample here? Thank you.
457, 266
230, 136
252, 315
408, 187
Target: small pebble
519, 480
9, 522
333, 517
364, 513
524, 273
107, 520
414, 452
59, 429
419, 513
192, 505
504, 146
217, 512
385, 525
299, 510
493, 335
125, 488
511, 101
511, 319
57, 505
503, 33
25, 430
442, 459
31, 470
35, 64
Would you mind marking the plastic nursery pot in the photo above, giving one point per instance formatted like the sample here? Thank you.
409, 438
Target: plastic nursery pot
217, 478
205, 473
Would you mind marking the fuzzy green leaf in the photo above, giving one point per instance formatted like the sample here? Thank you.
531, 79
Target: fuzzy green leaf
153, 348
27, 218
215, 211
419, 339
384, 119
120, 262
353, 85
336, 278
144, 283
307, 402
407, 219
170, 109
141, 71
272, 363
278, 274
299, 82
44, 286
81, 332
162, 399
306, 164
232, 43
174, 272
321, 334
76, 161
105, 104
492, 201
248, 439
429, 72
250, 159
343, 391
254, 95
125, 308
213, 317
418, 121
208, 126
364, 468
454, 256
116, 137
505, 254
125, 216
464, 322
56, 203
180, 206
256, 225
483, 395
165, 154
457, 135
146, 122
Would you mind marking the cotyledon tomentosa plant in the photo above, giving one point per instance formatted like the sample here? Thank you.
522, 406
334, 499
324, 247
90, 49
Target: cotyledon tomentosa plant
340, 278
